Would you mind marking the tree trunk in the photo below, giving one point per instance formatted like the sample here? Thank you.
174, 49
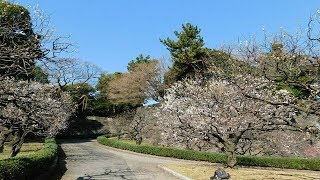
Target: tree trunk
230, 149
138, 139
17, 144
3, 137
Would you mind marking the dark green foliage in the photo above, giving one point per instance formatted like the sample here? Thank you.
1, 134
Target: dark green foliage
188, 53
15, 14
78, 90
39, 75
140, 59
223, 64
296, 91
103, 106
29, 166
277, 162
104, 81
83, 95
292, 71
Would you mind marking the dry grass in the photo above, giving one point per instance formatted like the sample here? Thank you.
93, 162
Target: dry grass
27, 148
204, 172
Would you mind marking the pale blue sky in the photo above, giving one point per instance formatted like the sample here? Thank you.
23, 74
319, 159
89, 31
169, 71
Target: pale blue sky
110, 33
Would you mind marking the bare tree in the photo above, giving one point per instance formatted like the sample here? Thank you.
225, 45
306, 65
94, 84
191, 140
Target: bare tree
31, 107
225, 111
248, 50
26, 41
291, 59
69, 71
136, 86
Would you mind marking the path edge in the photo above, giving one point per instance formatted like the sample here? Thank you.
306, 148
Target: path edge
178, 175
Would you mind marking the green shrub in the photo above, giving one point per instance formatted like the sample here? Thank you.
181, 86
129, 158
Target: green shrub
164, 151
278, 162
29, 166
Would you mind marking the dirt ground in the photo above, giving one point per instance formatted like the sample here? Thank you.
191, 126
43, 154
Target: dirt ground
204, 172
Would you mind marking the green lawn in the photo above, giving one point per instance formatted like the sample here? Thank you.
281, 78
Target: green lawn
27, 148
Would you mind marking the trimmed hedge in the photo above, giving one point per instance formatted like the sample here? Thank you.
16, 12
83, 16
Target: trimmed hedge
164, 151
29, 166
280, 162
277, 162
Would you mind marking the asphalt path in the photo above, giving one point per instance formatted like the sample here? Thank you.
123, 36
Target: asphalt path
90, 160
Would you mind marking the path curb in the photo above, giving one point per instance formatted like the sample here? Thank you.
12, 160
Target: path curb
178, 175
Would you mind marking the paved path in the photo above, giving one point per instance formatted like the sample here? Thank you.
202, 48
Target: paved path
90, 160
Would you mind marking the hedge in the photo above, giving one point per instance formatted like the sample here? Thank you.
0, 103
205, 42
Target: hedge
29, 166
262, 161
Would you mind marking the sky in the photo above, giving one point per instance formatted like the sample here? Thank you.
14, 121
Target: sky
110, 33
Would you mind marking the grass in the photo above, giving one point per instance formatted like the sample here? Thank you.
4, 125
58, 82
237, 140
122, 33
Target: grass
204, 172
26, 149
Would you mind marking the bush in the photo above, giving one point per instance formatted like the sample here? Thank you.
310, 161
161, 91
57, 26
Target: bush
278, 162
29, 166
164, 151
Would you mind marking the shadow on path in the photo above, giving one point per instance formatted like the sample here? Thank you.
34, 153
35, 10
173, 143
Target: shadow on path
61, 165
74, 140
111, 174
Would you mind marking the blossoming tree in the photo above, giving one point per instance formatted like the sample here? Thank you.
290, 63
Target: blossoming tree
31, 107
225, 111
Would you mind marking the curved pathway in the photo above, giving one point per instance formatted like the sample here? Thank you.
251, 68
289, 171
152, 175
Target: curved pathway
90, 160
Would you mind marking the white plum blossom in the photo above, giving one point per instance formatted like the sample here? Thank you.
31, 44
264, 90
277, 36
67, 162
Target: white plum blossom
31, 107
224, 112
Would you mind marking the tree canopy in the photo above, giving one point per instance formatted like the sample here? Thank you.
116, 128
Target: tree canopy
31, 107
140, 59
187, 52
19, 45
136, 85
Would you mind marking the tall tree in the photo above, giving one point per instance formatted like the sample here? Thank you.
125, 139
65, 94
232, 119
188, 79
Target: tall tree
103, 104
187, 52
69, 71
137, 85
19, 44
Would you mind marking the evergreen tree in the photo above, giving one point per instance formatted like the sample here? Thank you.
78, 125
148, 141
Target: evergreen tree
188, 53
